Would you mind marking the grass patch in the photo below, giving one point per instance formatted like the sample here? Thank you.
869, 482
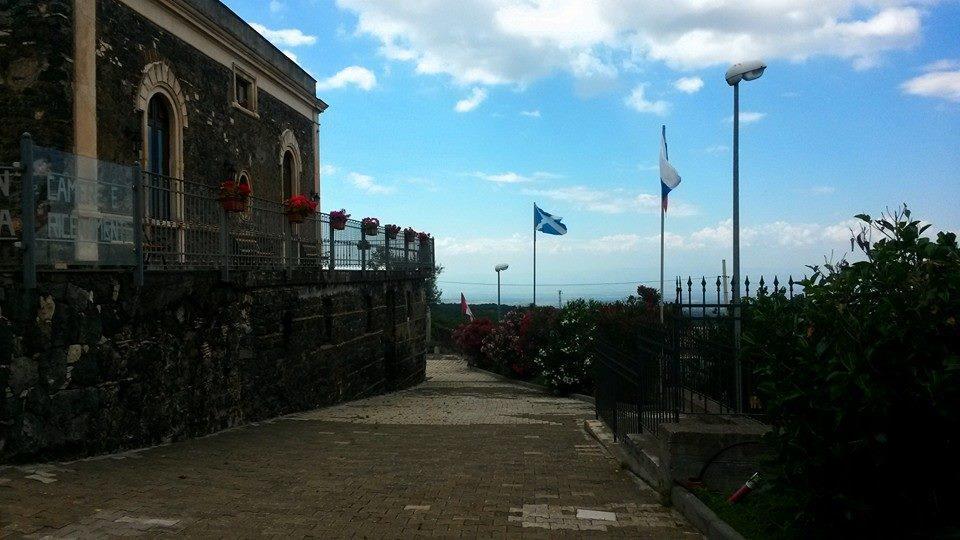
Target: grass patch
764, 514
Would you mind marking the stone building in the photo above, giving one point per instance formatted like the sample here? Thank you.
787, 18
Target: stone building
185, 87
124, 338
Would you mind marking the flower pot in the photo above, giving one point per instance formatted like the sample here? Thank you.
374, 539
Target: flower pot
371, 230
392, 236
296, 217
409, 238
338, 224
233, 205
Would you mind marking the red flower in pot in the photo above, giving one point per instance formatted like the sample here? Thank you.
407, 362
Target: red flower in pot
409, 234
392, 231
423, 237
233, 196
370, 226
338, 219
298, 207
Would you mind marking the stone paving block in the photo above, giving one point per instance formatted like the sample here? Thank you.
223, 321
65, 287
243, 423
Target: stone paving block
462, 455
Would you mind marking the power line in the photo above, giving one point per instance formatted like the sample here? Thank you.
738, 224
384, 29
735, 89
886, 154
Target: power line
550, 284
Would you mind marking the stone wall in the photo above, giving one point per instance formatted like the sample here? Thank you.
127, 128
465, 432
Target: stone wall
36, 70
220, 138
90, 364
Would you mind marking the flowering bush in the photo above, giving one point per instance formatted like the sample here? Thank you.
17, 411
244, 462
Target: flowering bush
469, 338
233, 196
566, 358
392, 230
370, 225
338, 219
233, 190
298, 207
501, 352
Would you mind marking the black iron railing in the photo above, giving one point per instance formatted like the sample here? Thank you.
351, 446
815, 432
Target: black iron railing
90, 214
684, 364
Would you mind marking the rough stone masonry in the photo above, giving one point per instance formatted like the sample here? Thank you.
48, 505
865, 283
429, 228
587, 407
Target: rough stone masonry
91, 364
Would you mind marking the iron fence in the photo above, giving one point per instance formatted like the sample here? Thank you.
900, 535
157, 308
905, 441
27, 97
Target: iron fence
87, 214
685, 364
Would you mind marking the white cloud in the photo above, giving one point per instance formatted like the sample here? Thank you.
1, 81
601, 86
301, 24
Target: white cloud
609, 201
944, 64
780, 234
518, 41
638, 101
748, 117
291, 55
514, 178
290, 37
935, 84
328, 169
532, 114
717, 149
478, 96
689, 85
358, 76
276, 6
367, 184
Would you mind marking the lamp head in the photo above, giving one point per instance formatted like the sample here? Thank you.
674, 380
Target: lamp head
745, 71
501, 267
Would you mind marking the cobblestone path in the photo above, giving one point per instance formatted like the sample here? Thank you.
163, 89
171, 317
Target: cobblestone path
460, 455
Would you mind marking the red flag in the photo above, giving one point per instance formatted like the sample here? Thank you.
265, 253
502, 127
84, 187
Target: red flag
464, 308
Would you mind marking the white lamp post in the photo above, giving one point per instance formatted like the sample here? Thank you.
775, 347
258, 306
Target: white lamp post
744, 71
499, 268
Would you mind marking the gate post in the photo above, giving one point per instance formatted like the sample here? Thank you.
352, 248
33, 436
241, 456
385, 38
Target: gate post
138, 223
28, 213
386, 252
333, 248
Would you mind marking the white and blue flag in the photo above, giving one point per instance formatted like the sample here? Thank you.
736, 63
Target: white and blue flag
669, 179
547, 223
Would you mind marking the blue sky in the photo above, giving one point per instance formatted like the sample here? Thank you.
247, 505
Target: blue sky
455, 117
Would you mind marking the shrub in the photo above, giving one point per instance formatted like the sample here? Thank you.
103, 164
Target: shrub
861, 380
469, 338
500, 348
566, 358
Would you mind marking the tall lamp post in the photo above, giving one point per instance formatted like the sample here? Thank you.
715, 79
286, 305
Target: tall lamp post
744, 71
499, 268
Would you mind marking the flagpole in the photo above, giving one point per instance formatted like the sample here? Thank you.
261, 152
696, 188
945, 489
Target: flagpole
663, 213
534, 254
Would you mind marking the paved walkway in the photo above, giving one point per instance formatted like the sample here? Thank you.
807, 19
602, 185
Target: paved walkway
461, 455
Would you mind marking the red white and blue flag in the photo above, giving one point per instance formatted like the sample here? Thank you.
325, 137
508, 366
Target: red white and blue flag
465, 308
669, 179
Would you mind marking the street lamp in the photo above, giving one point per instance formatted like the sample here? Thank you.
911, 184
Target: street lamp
744, 71
499, 268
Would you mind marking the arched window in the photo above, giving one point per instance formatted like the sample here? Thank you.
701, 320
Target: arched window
291, 166
158, 156
289, 175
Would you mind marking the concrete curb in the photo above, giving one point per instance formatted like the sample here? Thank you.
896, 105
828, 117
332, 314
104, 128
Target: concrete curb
626, 459
701, 516
697, 513
532, 386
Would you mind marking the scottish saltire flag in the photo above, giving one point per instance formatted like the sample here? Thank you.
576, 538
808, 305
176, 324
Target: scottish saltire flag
669, 179
547, 223
464, 307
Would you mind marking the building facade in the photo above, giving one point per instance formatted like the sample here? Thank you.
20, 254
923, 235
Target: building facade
135, 307
184, 87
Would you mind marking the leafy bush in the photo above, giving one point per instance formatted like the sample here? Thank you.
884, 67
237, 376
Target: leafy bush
566, 358
500, 348
861, 381
469, 338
